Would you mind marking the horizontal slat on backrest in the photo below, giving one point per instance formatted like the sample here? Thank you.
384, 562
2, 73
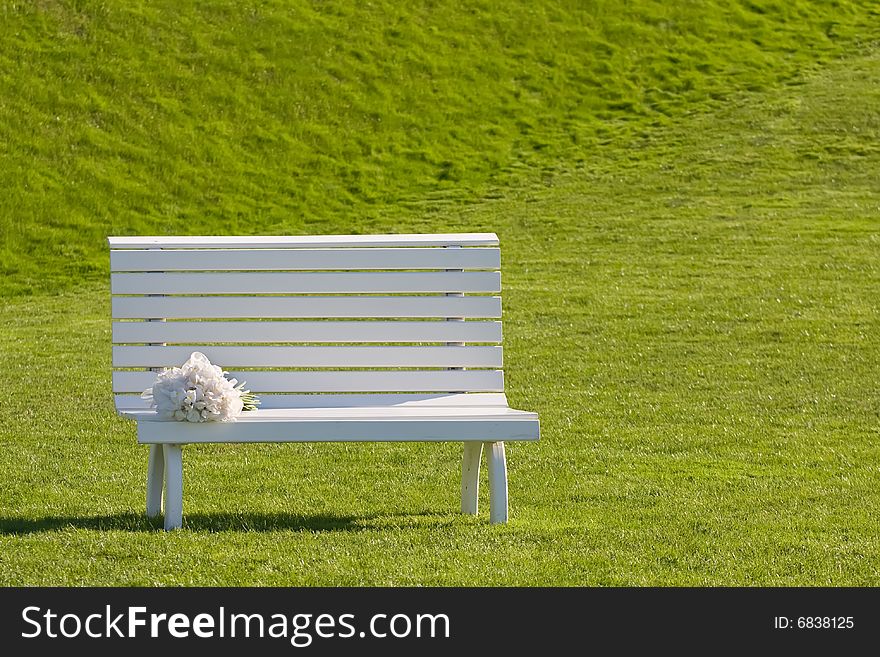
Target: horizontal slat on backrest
344, 381
296, 331
343, 306
312, 356
481, 399
305, 283
345, 400
304, 259
303, 241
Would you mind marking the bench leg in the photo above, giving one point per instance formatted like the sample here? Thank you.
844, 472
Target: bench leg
155, 480
173, 487
497, 483
470, 477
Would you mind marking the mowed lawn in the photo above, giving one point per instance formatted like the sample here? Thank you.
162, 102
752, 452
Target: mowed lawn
692, 311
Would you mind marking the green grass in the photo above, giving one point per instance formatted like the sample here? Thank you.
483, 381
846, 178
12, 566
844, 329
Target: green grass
689, 303
314, 117
696, 327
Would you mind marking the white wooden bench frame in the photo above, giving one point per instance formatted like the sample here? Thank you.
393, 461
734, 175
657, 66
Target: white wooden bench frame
384, 304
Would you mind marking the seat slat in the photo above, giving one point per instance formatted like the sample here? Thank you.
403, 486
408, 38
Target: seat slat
312, 356
343, 306
303, 241
304, 283
305, 331
303, 259
344, 381
373, 413
516, 425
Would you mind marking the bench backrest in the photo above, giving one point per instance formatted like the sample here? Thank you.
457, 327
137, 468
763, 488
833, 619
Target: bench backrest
318, 314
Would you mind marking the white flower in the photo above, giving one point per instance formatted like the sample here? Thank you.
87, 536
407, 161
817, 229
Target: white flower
197, 392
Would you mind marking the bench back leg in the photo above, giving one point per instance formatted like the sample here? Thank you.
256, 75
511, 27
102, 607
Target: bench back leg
470, 477
155, 480
173, 487
497, 483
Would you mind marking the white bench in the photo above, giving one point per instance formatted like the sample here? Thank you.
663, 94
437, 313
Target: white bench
344, 338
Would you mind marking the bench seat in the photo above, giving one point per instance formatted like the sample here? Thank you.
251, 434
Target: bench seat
392, 423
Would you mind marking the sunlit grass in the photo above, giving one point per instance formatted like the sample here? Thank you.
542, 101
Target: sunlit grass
692, 311
292, 117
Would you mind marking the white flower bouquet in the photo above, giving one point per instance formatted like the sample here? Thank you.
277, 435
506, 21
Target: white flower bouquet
199, 392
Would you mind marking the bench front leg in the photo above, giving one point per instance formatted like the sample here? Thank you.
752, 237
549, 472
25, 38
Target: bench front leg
470, 477
497, 483
155, 480
173, 486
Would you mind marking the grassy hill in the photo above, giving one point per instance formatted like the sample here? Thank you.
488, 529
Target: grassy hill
689, 212
300, 117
